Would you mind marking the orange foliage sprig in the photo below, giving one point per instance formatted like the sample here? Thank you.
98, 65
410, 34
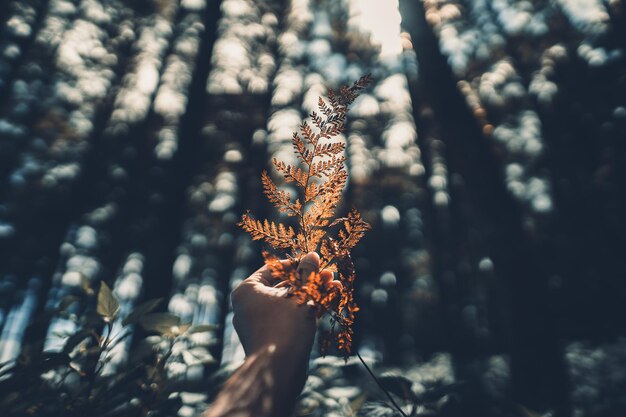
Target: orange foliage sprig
320, 178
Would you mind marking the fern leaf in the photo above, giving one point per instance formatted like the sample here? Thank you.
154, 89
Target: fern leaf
333, 99
315, 237
311, 137
291, 173
361, 83
318, 121
331, 130
320, 184
324, 109
301, 242
330, 149
354, 229
278, 237
280, 199
301, 150
335, 182
322, 210
311, 192
324, 168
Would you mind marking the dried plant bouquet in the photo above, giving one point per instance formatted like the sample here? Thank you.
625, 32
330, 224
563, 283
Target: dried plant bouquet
320, 177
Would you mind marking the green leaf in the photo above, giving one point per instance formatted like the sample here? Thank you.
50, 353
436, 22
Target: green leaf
141, 310
357, 403
74, 340
201, 328
398, 385
184, 327
108, 307
176, 331
85, 284
115, 340
161, 323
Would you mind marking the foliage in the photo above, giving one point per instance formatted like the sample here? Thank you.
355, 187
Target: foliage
320, 178
72, 380
340, 388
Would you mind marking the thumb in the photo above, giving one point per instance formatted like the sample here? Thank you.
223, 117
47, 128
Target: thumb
308, 264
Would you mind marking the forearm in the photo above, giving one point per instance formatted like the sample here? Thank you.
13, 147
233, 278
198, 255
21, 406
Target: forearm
267, 384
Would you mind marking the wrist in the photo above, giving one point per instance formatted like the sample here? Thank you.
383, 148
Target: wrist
288, 365
283, 356
289, 348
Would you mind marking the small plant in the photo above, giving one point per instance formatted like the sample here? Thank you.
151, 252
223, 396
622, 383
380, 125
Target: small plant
320, 178
72, 381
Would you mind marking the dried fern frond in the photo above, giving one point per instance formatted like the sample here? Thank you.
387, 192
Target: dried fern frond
320, 179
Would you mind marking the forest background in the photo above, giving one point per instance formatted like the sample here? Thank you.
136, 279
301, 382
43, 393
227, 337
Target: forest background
488, 156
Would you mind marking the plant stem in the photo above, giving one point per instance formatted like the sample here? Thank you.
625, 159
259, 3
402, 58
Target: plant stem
103, 349
302, 209
380, 385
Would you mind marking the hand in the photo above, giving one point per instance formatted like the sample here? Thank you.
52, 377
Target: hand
277, 334
264, 315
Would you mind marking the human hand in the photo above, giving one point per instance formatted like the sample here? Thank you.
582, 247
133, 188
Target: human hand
277, 334
265, 316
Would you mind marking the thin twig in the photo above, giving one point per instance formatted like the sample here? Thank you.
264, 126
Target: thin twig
380, 385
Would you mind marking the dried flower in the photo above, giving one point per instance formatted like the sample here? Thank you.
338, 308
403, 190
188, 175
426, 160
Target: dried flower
320, 178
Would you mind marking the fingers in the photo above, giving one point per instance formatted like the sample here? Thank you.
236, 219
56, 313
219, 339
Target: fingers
264, 276
308, 264
282, 284
329, 282
327, 276
334, 285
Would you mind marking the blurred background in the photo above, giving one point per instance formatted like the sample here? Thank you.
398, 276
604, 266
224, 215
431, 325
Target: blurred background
489, 155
